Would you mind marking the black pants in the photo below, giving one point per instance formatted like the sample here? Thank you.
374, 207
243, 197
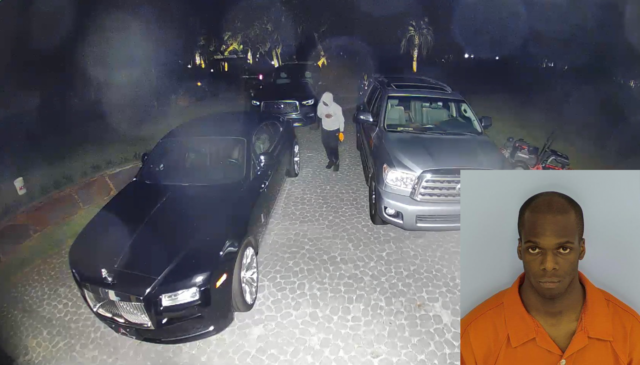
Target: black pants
331, 142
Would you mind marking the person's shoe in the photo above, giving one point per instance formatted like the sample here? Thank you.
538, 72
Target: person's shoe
330, 164
336, 167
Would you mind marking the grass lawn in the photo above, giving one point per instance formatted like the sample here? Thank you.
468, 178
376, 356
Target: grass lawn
91, 159
48, 242
534, 124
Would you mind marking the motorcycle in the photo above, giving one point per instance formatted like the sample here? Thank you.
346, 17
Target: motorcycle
525, 156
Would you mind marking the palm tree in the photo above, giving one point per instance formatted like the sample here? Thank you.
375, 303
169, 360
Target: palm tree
417, 38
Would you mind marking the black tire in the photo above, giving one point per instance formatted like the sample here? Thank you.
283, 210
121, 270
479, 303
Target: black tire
291, 168
373, 204
238, 302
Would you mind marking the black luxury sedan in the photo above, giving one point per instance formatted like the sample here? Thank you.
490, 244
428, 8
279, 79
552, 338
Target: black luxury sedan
173, 254
290, 91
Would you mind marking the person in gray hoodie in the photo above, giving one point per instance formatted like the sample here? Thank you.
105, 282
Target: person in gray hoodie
332, 128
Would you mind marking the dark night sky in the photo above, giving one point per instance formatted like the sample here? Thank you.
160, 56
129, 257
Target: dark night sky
49, 37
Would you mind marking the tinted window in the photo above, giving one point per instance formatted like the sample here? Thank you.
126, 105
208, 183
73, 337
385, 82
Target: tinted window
265, 137
371, 97
196, 161
375, 112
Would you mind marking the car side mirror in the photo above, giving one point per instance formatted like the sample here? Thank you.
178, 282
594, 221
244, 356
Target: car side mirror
144, 157
265, 160
364, 117
486, 122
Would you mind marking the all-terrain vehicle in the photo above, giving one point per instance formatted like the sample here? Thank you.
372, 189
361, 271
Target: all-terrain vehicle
525, 156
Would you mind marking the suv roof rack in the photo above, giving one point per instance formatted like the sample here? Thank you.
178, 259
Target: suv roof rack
402, 82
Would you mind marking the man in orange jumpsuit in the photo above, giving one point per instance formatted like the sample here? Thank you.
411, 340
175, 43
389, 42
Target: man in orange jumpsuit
552, 314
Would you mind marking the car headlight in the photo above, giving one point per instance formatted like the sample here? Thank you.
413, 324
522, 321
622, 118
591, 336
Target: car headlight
256, 103
180, 297
398, 179
308, 102
91, 299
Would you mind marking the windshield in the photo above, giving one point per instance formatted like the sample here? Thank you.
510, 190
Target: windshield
429, 114
292, 74
196, 161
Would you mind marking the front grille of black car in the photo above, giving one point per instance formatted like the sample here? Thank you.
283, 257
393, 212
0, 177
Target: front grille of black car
437, 186
280, 107
121, 307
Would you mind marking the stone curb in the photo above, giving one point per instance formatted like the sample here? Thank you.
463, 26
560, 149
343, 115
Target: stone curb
60, 206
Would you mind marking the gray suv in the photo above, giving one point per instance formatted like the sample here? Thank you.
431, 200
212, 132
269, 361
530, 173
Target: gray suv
415, 135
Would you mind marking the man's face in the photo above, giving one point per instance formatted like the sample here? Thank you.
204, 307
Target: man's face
550, 248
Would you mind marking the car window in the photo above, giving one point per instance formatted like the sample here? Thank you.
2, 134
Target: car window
264, 138
276, 129
371, 97
429, 114
196, 161
375, 111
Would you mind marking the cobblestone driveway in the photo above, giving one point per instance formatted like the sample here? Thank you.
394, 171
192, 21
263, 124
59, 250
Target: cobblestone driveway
334, 289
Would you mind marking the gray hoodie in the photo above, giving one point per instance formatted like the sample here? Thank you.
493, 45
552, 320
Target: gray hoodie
337, 119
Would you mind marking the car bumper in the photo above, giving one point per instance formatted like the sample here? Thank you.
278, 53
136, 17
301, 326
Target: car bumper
187, 323
304, 118
413, 215
189, 330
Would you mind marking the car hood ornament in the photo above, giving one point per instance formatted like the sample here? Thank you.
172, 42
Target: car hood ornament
108, 278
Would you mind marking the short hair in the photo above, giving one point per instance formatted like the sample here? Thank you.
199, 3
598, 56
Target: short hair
572, 204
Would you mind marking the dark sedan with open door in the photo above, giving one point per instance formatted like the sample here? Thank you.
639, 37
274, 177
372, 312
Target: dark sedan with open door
174, 253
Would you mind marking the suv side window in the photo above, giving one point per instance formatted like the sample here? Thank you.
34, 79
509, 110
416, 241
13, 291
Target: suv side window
377, 106
371, 97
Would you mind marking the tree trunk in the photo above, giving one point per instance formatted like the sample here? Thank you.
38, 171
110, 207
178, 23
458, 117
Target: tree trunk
416, 46
278, 50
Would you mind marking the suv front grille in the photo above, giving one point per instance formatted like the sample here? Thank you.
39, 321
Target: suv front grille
425, 220
110, 304
441, 187
280, 107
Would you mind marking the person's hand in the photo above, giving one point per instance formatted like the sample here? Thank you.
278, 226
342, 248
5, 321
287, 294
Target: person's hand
341, 136
328, 116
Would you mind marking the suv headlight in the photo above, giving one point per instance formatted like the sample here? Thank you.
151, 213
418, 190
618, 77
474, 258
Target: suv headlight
256, 103
180, 297
398, 179
308, 102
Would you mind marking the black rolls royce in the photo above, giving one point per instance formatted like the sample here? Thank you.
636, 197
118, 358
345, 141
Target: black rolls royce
174, 253
291, 92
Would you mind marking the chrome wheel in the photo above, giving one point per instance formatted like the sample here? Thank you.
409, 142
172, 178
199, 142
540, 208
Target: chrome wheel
249, 275
296, 158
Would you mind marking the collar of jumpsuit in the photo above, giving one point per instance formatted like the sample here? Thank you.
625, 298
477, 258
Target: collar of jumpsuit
501, 331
